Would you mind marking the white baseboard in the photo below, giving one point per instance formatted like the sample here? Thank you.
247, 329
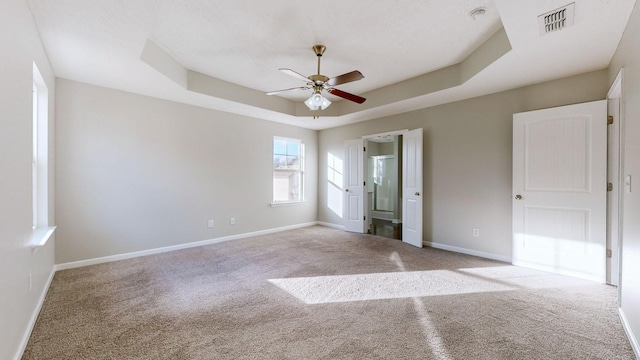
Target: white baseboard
100, 260
481, 254
335, 226
34, 316
627, 329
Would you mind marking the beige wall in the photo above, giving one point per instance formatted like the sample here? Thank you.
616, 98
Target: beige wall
627, 57
137, 173
20, 48
467, 160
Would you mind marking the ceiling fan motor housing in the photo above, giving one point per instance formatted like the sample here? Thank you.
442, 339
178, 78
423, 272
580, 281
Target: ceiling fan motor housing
318, 79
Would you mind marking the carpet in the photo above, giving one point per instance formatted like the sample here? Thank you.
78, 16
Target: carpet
321, 293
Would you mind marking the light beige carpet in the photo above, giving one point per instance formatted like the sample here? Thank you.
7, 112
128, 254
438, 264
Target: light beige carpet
321, 293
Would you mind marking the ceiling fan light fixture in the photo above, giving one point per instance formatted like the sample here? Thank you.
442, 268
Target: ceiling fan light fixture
317, 102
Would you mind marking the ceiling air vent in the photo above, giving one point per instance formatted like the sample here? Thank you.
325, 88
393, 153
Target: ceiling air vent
557, 19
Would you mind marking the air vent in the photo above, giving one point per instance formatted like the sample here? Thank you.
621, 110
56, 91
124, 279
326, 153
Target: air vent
557, 19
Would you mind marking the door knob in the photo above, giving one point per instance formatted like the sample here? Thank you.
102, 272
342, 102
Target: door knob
417, 193
518, 197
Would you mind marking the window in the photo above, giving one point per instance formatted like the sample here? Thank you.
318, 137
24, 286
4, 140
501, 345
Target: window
34, 158
288, 170
39, 160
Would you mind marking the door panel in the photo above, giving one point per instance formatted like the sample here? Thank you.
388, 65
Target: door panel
559, 185
353, 188
412, 188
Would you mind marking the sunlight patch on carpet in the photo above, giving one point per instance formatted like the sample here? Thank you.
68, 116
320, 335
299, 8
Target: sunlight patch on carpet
394, 285
408, 284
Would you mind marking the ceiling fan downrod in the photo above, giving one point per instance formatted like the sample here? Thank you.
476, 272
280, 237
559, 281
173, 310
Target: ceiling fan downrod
319, 50
319, 79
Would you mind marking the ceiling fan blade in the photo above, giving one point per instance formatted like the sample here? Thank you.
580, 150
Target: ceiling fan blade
283, 90
345, 78
295, 74
346, 95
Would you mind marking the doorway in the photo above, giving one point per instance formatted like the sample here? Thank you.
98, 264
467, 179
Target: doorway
355, 200
384, 190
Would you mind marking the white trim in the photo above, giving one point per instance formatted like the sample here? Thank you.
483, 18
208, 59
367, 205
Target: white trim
627, 329
34, 316
105, 259
460, 250
40, 236
335, 226
615, 91
390, 133
285, 203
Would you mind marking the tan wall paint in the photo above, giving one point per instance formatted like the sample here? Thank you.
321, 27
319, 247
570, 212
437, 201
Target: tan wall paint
627, 57
467, 159
136, 173
20, 48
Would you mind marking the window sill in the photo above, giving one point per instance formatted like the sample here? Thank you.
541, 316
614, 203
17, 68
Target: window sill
285, 203
40, 236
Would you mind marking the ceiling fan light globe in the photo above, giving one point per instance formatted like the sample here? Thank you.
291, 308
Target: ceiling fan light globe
310, 104
325, 103
316, 99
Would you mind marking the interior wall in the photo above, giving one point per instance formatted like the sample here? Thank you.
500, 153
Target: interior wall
627, 58
20, 47
467, 160
139, 173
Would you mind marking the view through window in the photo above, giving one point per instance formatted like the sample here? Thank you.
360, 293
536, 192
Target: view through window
288, 170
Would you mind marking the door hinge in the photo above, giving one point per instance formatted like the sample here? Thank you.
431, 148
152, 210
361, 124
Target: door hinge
364, 183
364, 217
609, 253
609, 119
364, 149
609, 187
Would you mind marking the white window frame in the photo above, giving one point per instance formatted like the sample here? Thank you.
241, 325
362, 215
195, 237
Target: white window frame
300, 171
42, 231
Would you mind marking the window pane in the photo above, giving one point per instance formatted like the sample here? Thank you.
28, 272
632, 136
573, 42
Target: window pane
293, 162
279, 146
279, 161
292, 148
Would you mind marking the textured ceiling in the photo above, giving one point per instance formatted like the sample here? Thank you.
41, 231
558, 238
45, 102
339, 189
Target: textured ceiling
413, 54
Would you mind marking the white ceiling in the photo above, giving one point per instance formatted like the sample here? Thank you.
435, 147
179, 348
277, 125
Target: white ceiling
194, 51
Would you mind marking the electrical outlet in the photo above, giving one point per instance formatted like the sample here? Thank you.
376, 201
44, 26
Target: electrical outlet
476, 232
232, 221
210, 223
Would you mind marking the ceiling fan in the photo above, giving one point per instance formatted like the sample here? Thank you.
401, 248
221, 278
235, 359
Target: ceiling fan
320, 82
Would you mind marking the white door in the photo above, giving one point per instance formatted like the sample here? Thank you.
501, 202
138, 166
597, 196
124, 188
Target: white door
613, 193
412, 187
559, 190
354, 186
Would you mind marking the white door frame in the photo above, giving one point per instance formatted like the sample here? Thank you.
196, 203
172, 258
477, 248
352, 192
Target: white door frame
365, 139
365, 169
615, 159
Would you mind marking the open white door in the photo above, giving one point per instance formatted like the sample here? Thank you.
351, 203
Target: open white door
354, 186
559, 189
614, 177
412, 187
